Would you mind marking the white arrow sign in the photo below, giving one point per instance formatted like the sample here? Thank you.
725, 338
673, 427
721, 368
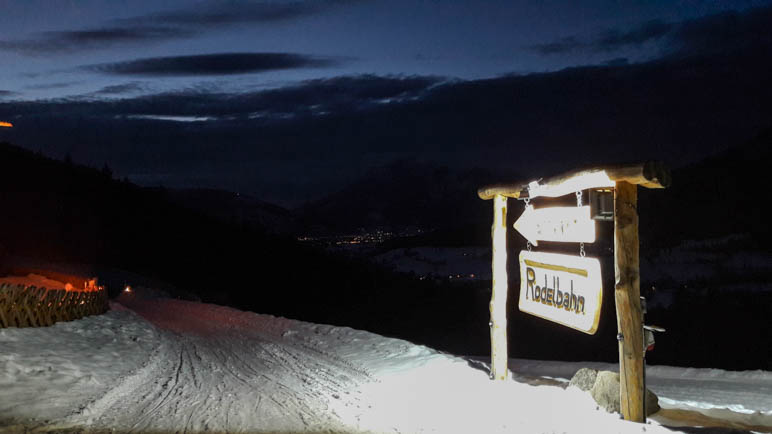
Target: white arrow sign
564, 224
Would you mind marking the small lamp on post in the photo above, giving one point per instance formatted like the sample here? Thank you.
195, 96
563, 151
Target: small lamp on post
602, 204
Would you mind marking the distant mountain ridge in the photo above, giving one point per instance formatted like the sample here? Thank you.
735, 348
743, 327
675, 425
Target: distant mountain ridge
719, 196
235, 208
399, 195
715, 197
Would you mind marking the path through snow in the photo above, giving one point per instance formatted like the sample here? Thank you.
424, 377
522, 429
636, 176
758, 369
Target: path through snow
226, 370
191, 367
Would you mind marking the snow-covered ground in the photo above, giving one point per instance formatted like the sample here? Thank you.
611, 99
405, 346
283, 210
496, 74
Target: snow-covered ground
157, 364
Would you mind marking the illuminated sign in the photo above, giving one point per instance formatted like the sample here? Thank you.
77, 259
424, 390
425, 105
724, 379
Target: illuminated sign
564, 224
561, 288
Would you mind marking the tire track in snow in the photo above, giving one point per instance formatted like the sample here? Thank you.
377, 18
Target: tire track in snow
224, 375
125, 386
168, 387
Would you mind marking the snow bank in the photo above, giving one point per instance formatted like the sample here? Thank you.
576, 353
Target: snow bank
50, 372
34, 280
709, 391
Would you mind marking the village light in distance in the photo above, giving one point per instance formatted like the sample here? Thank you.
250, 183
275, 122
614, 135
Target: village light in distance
6, 124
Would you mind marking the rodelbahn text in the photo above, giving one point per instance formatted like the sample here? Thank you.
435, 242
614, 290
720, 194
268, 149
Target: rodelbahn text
561, 288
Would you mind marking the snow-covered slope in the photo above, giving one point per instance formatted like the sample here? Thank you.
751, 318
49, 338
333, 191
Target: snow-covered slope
156, 364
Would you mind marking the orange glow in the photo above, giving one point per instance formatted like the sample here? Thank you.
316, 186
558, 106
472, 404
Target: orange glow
57, 281
6, 124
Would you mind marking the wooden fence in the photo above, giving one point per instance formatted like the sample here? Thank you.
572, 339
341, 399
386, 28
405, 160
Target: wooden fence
29, 306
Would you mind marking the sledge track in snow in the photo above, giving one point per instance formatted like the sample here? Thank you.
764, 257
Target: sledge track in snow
201, 367
247, 376
125, 386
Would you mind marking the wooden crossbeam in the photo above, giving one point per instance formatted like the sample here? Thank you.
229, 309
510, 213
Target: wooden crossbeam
652, 174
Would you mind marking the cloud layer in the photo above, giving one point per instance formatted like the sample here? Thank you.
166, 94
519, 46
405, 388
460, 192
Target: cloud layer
81, 40
296, 142
212, 64
215, 14
185, 23
121, 89
715, 33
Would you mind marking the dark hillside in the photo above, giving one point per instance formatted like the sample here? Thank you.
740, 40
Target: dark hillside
54, 211
720, 196
440, 201
62, 212
235, 208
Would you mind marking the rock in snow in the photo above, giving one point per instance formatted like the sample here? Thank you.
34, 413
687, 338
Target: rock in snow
604, 389
584, 379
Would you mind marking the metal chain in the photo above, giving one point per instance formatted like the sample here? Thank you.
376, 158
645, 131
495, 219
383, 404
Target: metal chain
527, 201
579, 204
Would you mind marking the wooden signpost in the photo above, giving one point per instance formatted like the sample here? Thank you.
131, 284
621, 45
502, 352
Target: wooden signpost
562, 279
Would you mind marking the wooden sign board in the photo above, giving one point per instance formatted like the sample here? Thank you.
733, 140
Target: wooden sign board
562, 224
564, 289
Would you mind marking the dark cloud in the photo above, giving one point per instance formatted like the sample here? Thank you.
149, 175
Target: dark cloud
258, 135
614, 39
340, 94
55, 85
322, 97
79, 40
157, 27
725, 33
7, 93
220, 14
564, 45
121, 89
212, 64
718, 33
609, 40
619, 61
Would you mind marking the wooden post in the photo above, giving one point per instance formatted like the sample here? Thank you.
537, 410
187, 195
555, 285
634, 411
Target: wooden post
627, 293
498, 305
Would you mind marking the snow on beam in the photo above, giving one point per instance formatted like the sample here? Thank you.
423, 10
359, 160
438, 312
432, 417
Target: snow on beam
651, 174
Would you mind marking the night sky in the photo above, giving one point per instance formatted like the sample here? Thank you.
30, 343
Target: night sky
290, 100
